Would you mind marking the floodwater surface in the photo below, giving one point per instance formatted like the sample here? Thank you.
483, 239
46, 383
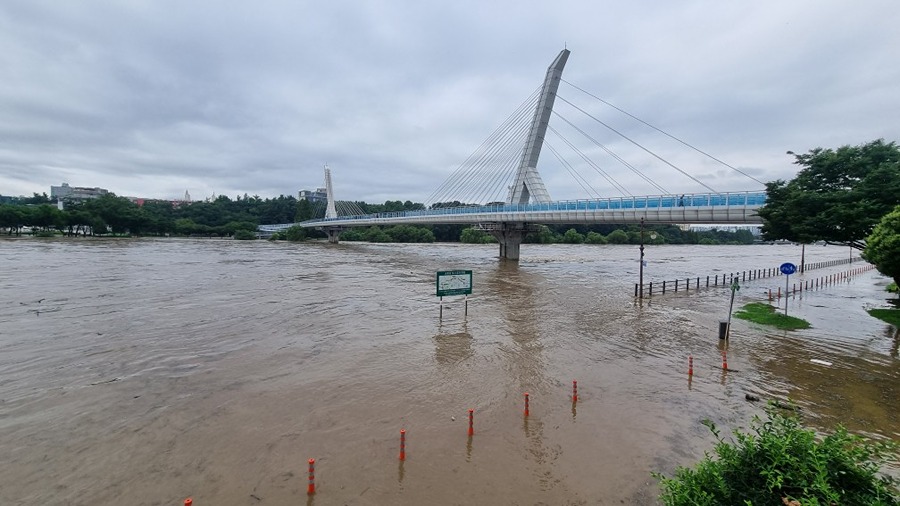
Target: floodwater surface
143, 371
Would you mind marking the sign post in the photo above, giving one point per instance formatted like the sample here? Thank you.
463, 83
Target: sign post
453, 283
787, 269
734, 288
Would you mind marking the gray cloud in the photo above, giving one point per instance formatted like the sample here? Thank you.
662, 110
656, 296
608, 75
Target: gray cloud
151, 98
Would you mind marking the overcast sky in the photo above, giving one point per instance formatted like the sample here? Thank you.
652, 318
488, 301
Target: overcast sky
152, 98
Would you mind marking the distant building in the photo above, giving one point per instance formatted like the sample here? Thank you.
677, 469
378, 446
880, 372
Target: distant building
76, 193
313, 196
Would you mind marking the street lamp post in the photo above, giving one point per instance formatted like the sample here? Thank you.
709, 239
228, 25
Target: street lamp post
641, 268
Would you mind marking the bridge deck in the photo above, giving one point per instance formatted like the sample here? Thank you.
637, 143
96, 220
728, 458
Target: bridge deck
712, 208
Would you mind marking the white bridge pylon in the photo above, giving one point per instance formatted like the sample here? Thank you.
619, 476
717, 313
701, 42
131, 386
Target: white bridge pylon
330, 211
528, 185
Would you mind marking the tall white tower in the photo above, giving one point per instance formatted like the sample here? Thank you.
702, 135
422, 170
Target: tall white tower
330, 211
528, 184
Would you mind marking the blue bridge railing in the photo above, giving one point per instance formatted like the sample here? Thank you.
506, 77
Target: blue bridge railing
736, 199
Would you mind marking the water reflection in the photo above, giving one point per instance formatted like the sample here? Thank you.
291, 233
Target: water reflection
514, 289
453, 349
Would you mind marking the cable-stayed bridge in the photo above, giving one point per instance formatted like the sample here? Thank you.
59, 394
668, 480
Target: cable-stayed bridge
507, 163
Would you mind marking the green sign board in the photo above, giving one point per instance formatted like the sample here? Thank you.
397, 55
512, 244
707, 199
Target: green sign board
453, 283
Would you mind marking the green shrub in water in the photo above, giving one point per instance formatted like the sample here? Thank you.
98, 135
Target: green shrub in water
244, 235
779, 461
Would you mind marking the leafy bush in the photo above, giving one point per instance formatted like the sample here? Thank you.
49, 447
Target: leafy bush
295, 233
244, 235
594, 238
778, 462
573, 237
617, 237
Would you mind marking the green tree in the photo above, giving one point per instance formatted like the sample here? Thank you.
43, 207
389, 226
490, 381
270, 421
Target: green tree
573, 237
295, 233
11, 218
837, 196
375, 234
474, 236
617, 236
883, 246
594, 238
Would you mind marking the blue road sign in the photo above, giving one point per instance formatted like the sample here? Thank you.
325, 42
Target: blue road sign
788, 268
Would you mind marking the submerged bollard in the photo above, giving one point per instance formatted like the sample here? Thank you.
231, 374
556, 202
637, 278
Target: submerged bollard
724, 360
311, 489
471, 422
690, 365
526, 403
188, 502
402, 444
574, 391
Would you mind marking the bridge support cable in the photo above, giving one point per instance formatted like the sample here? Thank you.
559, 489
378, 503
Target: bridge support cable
348, 208
581, 180
528, 184
609, 152
676, 139
629, 139
496, 164
496, 170
602, 172
480, 168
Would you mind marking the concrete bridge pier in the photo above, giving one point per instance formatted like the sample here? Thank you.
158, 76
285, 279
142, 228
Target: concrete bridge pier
509, 235
333, 233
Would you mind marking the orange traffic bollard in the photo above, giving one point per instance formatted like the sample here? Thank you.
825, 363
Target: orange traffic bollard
690, 365
311, 489
188, 502
471, 422
402, 444
574, 391
526, 403
724, 361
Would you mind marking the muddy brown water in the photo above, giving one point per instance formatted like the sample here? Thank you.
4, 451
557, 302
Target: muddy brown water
142, 372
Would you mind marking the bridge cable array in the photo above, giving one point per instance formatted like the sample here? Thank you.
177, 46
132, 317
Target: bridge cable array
596, 167
629, 139
486, 174
684, 143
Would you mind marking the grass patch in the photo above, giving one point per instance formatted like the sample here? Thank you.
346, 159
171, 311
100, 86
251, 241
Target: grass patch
892, 288
765, 314
891, 316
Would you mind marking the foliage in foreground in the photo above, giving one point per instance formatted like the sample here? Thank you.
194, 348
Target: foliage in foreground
892, 288
883, 245
779, 461
765, 314
891, 316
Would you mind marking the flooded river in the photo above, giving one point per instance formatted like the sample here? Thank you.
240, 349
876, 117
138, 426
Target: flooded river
141, 372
